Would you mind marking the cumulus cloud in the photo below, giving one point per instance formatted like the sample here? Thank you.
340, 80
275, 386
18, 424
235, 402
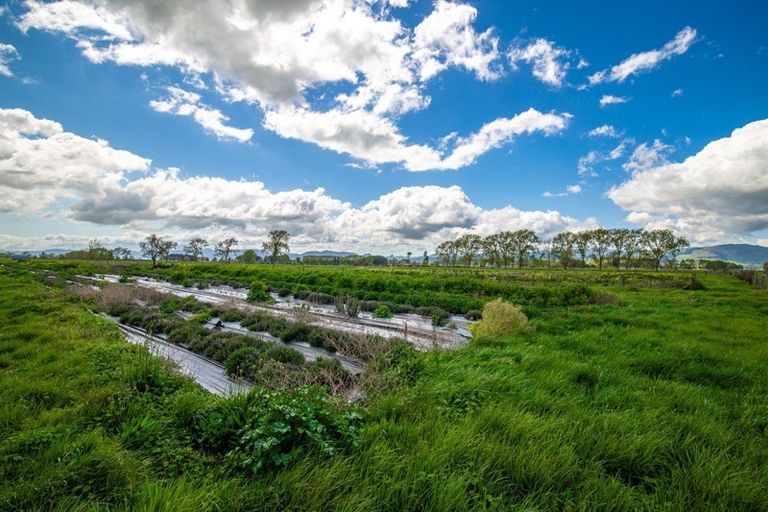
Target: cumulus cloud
8, 54
546, 58
677, 92
273, 54
185, 103
646, 61
605, 130
720, 191
446, 38
609, 99
43, 167
40, 163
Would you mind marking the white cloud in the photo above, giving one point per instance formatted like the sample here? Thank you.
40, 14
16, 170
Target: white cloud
43, 167
609, 99
364, 135
583, 63
546, 59
713, 195
185, 103
605, 130
274, 53
72, 18
645, 156
8, 54
677, 92
587, 164
41, 163
646, 61
446, 38
570, 189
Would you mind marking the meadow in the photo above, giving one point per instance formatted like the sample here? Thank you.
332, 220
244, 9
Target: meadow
631, 391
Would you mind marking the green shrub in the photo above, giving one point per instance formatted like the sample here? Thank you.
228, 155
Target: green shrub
243, 362
259, 293
500, 318
284, 355
267, 429
382, 312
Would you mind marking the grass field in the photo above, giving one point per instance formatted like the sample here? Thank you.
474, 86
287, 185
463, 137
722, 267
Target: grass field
641, 395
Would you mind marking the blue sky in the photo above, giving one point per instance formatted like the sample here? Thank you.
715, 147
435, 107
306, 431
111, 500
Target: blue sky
455, 148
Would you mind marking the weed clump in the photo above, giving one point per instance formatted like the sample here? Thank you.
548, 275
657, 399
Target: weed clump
259, 293
500, 318
382, 312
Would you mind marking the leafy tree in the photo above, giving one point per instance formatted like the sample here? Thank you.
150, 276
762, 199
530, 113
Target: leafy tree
195, 247
425, 259
248, 256
448, 252
661, 242
582, 243
600, 243
121, 253
225, 248
492, 249
525, 241
277, 243
469, 246
620, 237
409, 258
632, 245
507, 240
156, 249
562, 248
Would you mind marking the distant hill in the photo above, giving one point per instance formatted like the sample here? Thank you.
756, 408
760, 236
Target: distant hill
743, 254
337, 254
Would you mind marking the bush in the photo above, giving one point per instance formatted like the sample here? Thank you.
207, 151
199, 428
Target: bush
284, 355
266, 429
500, 319
382, 312
259, 293
243, 362
297, 331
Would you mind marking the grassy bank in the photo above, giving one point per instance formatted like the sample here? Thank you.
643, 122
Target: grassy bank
654, 400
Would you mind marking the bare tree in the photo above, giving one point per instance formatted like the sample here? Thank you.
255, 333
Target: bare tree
195, 247
277, 243
156, 248
225, 247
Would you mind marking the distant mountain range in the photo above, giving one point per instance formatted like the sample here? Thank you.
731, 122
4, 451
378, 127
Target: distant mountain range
743, 254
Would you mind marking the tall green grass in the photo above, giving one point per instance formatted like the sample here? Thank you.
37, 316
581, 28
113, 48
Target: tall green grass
657, 400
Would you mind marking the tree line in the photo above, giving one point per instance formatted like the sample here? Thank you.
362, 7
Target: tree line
159, 249
620, 246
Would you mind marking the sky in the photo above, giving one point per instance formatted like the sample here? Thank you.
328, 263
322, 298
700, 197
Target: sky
380, 126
